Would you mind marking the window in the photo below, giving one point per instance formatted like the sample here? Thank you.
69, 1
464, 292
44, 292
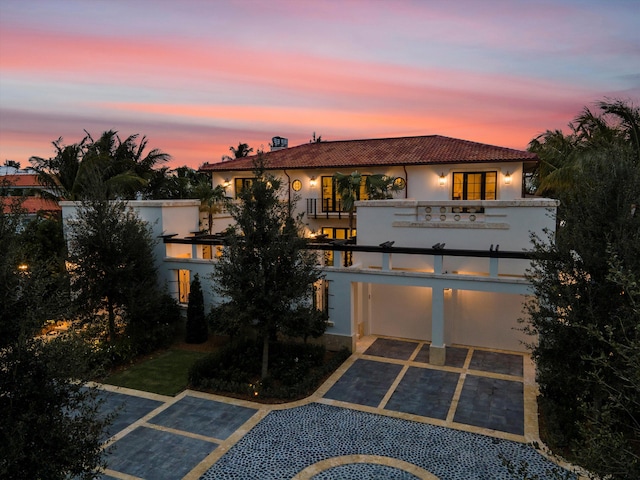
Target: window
321, 295
242, 183
296, 185
208, 251
184, 285
331, 201
337, 234
474, 185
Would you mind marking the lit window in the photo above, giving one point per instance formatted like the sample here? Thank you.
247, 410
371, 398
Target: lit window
337, 234
474, 185
242, 183
184, 285
331, 201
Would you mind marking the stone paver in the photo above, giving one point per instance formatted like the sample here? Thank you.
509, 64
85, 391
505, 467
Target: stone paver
392, 348
424, 392
497, 362
492, 403
153, 454
204, 417
365, 383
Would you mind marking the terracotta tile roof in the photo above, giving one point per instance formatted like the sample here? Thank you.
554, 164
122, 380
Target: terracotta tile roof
31, 205
425, 150
22, 180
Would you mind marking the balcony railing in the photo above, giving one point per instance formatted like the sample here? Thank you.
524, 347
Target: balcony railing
329, 208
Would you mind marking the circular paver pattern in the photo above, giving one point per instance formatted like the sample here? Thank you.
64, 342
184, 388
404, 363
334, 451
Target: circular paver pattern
286, 442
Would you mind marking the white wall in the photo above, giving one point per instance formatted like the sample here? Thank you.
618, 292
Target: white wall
400, 311
485, 319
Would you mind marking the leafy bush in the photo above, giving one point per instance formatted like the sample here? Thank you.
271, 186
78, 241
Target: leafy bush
297, 370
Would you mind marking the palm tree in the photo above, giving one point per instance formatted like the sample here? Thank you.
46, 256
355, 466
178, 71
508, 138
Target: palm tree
377, 186
123, 166
616, 123
61, 174
212, 199
242, 151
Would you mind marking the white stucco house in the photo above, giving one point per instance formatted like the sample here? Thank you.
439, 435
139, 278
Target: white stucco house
443, 261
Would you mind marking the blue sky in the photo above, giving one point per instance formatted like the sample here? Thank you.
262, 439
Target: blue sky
196, 77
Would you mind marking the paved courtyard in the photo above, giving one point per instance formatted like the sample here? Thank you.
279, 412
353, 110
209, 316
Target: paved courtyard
385, 414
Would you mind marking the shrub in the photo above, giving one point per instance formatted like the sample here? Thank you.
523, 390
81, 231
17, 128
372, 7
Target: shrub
297, 370
197, 329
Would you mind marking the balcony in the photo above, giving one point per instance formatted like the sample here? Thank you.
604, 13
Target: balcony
328, 208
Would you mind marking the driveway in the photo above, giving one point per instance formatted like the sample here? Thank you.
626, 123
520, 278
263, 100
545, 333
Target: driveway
386, 413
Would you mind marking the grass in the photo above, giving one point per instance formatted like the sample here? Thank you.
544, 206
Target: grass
164, 374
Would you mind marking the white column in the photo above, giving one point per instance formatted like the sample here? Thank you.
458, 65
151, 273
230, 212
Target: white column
437, 347
386, 261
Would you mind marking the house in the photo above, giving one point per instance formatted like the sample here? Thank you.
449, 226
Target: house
22, 187
443, 261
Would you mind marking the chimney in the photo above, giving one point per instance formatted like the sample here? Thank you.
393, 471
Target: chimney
278, 143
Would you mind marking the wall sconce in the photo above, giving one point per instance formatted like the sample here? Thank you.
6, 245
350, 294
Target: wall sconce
442, 180
507, 178
312, 181
227, 182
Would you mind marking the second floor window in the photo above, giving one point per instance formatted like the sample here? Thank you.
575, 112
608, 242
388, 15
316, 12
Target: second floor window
331, 200
474, 185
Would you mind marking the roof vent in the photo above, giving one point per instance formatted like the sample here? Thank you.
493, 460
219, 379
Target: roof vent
278, 143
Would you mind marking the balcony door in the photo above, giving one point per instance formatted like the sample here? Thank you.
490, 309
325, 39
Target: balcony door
474, 185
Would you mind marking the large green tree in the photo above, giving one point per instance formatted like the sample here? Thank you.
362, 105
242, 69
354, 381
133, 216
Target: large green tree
265, 274
111, 253
49, 421
586, 315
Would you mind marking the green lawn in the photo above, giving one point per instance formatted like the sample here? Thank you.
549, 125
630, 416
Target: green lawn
165, 374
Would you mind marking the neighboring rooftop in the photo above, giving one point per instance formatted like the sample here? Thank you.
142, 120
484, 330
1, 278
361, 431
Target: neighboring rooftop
424, 150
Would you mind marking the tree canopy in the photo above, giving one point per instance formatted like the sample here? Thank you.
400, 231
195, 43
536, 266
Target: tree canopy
265, 275
241, 151
586, 313
49, 422
123, 165
612, 123
111, 253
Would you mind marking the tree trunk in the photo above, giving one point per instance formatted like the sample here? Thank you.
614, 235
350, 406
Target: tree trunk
210, 222
112, 321
265, 357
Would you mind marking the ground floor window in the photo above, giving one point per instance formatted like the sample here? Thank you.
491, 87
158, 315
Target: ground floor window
338, 234
184, 285
321, 295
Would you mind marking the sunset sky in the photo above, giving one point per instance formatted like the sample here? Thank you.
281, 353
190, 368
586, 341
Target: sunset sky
198, 76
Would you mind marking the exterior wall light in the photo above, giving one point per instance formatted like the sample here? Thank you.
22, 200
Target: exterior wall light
442, 180
227, 182
312, 181
507, 178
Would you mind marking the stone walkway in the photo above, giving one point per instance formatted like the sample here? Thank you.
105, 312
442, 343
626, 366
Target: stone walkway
385, 414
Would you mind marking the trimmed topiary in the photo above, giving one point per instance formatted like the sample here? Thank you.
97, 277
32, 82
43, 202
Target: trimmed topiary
197, 330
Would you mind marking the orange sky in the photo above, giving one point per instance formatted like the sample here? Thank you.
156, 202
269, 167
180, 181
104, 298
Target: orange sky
197, 77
